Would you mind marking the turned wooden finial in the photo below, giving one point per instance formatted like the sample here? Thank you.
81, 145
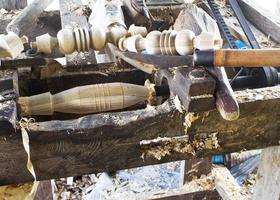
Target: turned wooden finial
10, 45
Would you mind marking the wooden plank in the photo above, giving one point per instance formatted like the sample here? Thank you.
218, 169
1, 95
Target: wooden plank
268, 178
205, 195
13, 4
70, 18
267, 23
111, 141
226, 185
194, 168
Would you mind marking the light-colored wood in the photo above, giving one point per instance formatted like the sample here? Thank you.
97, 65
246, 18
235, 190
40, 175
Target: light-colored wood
152, 43
85, 99
46, 43
166, 43
115, 33
135, 43
247, 58
207, 40
267, 185
66, 41
98, 37
83, 39
226, 185
135, 30
173, 43
10, 45
183, 42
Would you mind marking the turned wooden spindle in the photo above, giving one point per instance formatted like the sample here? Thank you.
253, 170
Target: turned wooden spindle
171, 42
135, 43
182, 42
86, 99
80, 39
10, 45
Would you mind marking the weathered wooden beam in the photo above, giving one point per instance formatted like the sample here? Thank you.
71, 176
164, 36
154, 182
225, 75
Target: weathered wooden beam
111, 141
29, 15
267, 23
13, 4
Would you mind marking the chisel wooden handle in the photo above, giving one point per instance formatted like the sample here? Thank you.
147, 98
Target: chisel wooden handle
238, 58
226, 102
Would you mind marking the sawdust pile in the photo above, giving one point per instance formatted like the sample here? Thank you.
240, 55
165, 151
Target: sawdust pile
260, 94
5, 14
161, 147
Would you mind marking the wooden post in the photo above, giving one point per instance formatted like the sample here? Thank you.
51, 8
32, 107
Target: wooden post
267, 186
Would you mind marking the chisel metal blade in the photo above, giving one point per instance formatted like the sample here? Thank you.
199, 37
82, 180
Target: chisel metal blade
150, 63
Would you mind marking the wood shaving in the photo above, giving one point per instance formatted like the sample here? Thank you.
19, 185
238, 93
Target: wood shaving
189, 119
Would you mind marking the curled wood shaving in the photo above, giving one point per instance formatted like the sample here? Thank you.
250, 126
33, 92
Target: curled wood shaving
24, 124
189, 119
152, 92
